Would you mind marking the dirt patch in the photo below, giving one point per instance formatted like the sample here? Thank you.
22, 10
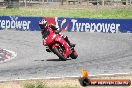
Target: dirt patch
63, 83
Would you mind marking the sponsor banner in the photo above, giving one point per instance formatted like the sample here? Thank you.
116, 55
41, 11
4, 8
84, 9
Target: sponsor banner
67, 24
95, 25
19, 23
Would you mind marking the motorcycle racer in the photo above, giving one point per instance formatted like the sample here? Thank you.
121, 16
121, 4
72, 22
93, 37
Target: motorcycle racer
45, 31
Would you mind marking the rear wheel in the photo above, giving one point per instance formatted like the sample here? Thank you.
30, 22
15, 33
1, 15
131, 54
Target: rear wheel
74, 55
58, 51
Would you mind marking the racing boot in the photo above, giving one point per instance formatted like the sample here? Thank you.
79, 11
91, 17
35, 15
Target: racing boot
47, 49
71, 44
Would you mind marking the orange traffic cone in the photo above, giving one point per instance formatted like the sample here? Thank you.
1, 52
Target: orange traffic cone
84, 73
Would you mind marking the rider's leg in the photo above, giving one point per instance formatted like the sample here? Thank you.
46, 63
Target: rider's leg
67, 40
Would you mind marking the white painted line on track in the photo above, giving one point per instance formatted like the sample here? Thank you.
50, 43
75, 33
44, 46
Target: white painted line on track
67, 77
14, 54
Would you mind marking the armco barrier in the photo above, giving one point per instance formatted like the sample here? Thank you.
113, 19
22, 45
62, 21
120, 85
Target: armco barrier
68, 24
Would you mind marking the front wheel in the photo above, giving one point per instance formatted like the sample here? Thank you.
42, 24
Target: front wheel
59, 53
74, 55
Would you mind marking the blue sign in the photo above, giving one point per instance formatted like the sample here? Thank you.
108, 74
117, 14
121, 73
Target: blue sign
95, 25
68, 24
19, 23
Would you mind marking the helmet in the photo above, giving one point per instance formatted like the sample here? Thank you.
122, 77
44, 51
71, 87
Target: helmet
43, 24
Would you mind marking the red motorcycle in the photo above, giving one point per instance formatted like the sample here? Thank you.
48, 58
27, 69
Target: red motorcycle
59, 46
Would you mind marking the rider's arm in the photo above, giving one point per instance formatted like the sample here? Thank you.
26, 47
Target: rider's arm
45, 33
57, 31
54, 28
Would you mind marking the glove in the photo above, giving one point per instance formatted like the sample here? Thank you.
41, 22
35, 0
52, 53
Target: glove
57, 32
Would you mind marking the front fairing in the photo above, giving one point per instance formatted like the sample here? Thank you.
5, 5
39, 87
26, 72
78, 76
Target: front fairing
64, 44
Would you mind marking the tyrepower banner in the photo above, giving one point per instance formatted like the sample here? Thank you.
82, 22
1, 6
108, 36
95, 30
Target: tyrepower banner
19, 23
67, 24
95, 25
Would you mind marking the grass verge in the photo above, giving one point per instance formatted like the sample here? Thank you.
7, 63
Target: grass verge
70, 12
37, 85
43, 85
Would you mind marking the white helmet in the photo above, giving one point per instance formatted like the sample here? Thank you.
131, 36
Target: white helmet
43, 24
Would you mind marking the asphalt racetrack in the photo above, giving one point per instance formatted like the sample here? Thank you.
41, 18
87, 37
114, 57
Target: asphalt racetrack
99, 53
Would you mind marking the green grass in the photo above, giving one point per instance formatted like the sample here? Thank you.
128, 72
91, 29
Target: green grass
69, 86
43, 85
85, 12
37, 85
